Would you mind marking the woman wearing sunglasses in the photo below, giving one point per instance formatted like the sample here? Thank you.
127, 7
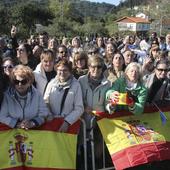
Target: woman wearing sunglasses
7, 65
94, 85
23, 106
158, 84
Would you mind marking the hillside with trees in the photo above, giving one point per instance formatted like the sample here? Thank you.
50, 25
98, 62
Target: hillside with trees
74, 17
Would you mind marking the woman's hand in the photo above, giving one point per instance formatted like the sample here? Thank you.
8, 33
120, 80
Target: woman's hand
88, 109
64, 127
130, 102
114, 97
25, 124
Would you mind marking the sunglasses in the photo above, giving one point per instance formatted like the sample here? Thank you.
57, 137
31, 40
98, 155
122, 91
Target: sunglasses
20, 49
8, 66
62, 52
97, 66
92, 52
161, 69
22, 82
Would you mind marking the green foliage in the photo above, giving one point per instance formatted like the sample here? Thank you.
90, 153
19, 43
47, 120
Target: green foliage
93, 28
73, 17
4, 21
24, 16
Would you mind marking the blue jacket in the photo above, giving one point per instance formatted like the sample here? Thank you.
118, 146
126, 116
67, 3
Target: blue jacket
11, 111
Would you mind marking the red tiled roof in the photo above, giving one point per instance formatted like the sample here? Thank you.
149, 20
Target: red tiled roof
133, 19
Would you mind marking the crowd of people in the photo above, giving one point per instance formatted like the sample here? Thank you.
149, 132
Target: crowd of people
43, 78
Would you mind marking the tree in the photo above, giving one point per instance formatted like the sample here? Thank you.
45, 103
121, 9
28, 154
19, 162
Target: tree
4, 21
94, 28
26, 15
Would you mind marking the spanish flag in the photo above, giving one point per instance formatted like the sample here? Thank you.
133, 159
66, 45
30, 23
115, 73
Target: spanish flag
39, 149
135, 140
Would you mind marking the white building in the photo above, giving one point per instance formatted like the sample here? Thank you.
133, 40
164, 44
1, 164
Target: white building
134, 24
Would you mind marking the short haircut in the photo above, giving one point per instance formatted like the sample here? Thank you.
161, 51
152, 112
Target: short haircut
64, 63
137, 65
162, 61
47, 53
22, 71
96, 59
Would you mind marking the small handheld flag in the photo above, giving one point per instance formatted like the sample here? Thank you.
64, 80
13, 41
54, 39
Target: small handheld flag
162, 115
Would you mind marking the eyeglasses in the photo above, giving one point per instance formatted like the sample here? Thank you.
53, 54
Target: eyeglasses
97, 66
22, 82
7, 66
161, 69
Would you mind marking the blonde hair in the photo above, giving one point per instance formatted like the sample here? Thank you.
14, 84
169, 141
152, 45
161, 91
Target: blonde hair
22, 71
47, 53
78, 56
64, 63
137, 65
75, 39
96, 59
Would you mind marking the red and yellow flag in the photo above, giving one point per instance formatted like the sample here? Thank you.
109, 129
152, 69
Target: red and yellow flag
39, 149
134, 140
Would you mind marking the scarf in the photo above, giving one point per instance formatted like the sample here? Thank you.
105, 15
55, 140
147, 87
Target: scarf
63, 85
93, 83
130, 85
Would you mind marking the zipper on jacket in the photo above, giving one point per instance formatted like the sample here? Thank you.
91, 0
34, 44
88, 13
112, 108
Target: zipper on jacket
99, 96
23, 109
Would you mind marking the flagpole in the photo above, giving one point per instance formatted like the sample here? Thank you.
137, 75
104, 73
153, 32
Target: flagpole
158, 109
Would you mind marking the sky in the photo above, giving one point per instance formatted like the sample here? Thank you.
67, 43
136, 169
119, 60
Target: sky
114, 2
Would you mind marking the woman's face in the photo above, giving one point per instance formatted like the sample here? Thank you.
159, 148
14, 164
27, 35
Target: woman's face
100, 42
128, 56
95, 70
52, 44
37, 51
161, 71
62, 53
81, 63
168, 39
47, 64
117, 61
155, 52
21, 85
109, 49
133, 74
76, 43
8, 66
21, 52
131, 40
63, 73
